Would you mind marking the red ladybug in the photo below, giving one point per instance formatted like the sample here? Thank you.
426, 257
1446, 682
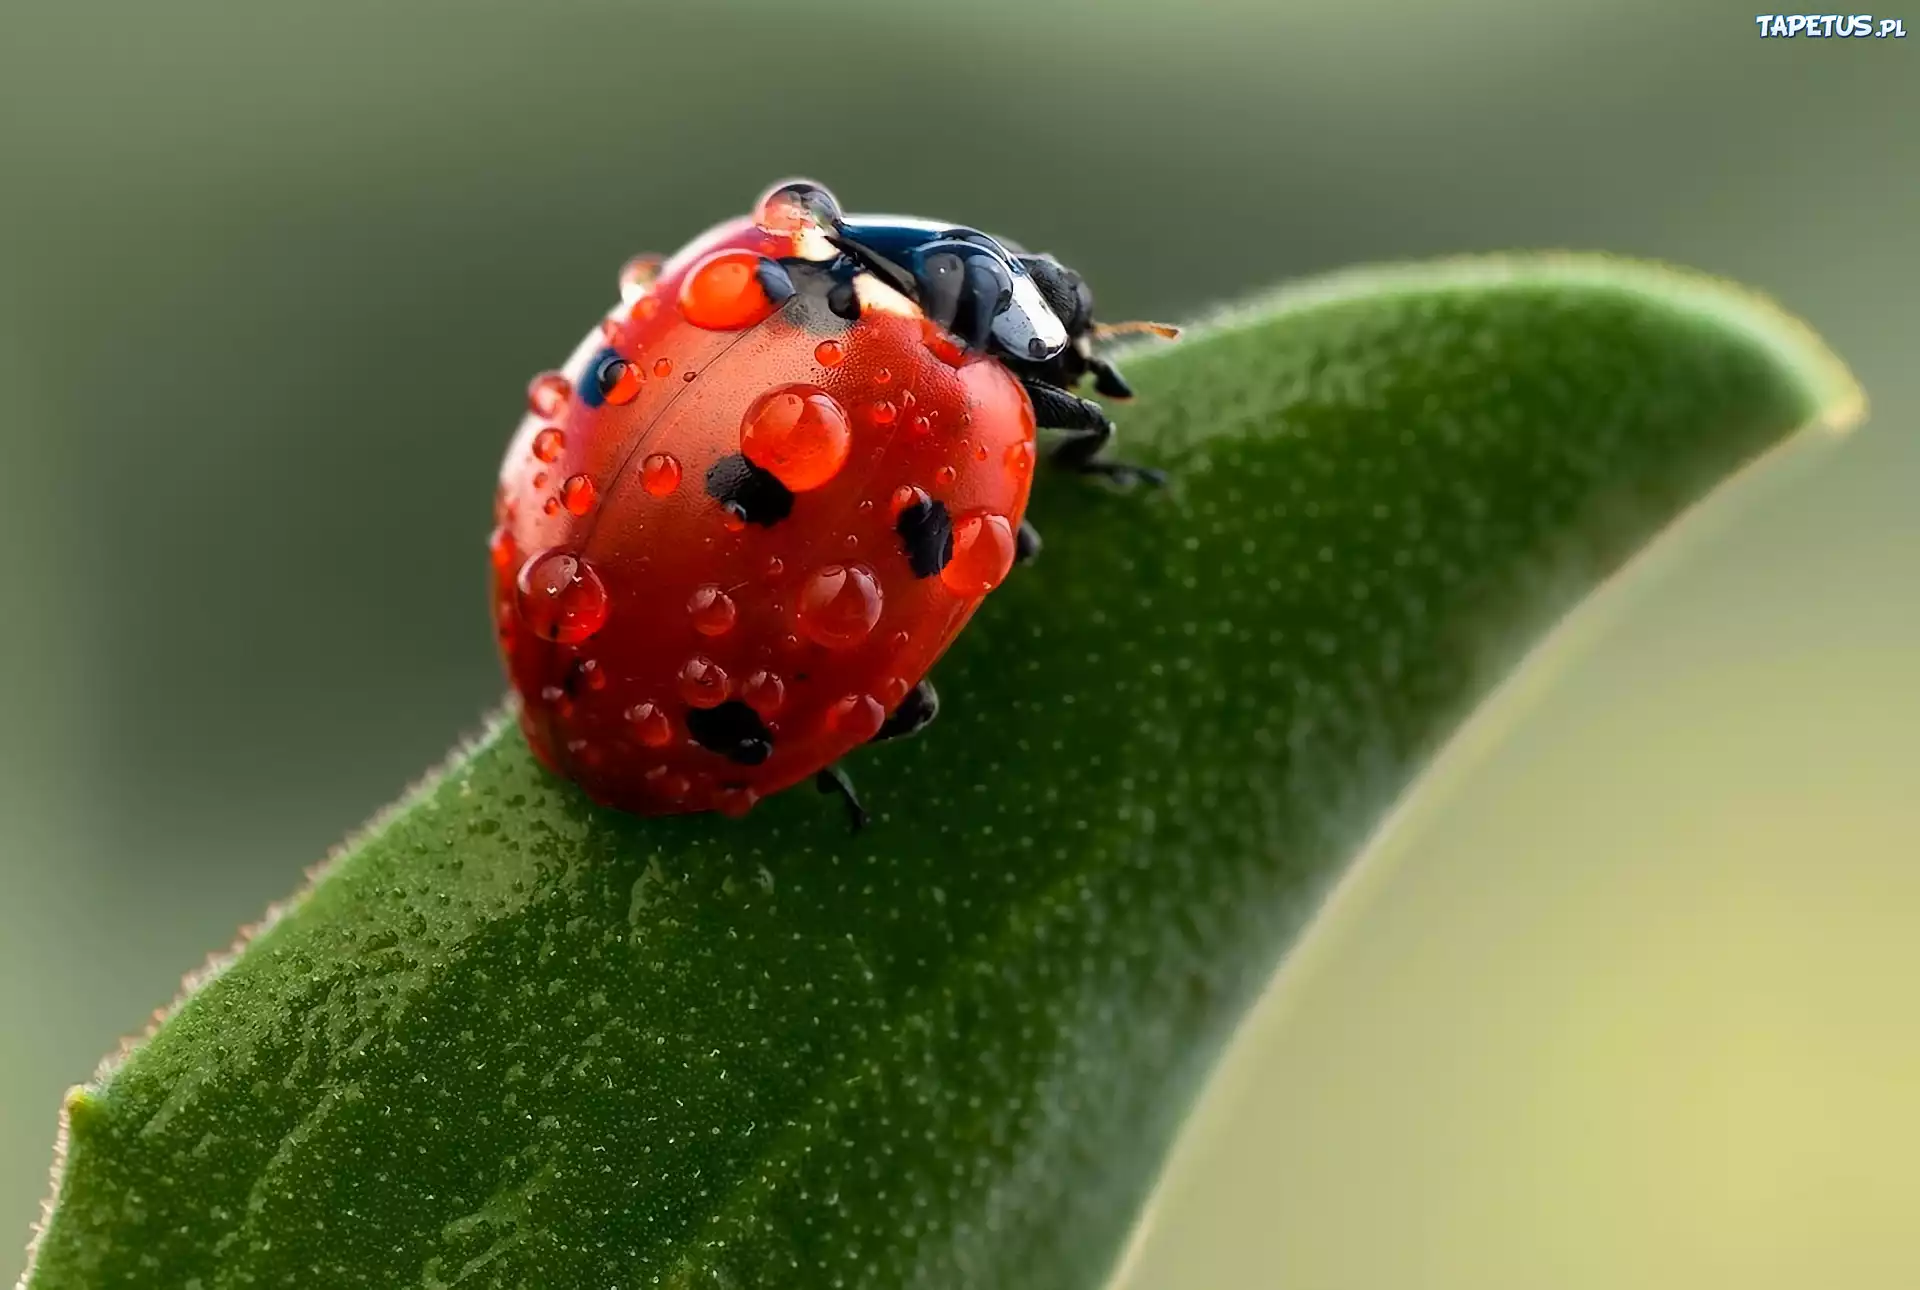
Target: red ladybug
739, 525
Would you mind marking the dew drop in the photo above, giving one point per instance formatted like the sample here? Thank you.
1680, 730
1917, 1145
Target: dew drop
921, 426
732, 518
904, 497
712, 610
851, 542
882, 376
551, 506
899, 640
540, 478
577, 494
893, 690
945, 475
618, 380
660, 474
775, 567
548, 443
858, 716
663, 367
794, 207
651, 725
586, 673
644, 309
883, 413
839, 605
983, 547
703, 682
723, 292
829, 353
500, 549
736, 802
980, 452
561, 597
637, 274
764, 693
547, 393
667, 783
798, 434
1019, 458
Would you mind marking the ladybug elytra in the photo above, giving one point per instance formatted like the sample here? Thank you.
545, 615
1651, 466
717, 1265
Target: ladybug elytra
736, 529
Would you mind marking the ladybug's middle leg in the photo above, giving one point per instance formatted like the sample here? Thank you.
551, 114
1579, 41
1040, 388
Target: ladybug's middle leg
1058, 409
834, 780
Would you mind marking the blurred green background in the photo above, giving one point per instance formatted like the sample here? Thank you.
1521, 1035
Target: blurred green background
1625, 1003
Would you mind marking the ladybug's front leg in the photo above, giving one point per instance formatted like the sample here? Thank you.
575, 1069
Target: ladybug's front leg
1058, 409
914, 714
834, 780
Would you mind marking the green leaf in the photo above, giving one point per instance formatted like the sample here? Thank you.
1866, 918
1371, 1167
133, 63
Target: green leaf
508, 1039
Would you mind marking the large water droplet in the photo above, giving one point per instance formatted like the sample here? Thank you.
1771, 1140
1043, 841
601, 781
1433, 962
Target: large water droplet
637, 274
945, 475
798, 434
839, 605
548, 393
983, 548
712, 610
1020, 458
561, 597
577, 494
764, 693
663, 368
795, 207
703, 682
858, 716
548, 443
883, 413
619, 380
660, 474
651, 725
723, 292
829, 353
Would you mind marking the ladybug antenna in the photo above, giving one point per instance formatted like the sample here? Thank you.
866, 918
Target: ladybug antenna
1106, 331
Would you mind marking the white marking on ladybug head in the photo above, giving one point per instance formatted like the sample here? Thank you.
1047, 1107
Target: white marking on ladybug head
1027, 328
874, 294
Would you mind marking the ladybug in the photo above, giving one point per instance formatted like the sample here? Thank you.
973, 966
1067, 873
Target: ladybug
738, 526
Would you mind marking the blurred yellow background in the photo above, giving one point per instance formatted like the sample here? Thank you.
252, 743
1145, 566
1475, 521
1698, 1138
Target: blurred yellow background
1621, 1003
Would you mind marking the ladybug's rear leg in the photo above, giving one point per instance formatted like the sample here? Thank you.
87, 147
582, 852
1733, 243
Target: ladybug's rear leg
834, 780
1058, 409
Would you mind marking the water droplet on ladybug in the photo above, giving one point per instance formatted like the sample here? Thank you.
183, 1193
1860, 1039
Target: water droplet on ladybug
703, 682
561, 597
899, 640
798, 434
851, 542
893, 690
586, 674
500, 549
637, 274
839, 605
883, 413
921, 426
1019, 459
829, 353
660, 474
669, 784
577, 494
651, 725
945, 475
764, 693
663, 367
618, 380
943, 344
548, 393
795, 207
736, 802
903, 497
775, 567
723, 293
551, 506
712, 610
980, 452
548, 443
540, 478
644, 309
858, 716
732, 518
865, 507
983, 547
882, 375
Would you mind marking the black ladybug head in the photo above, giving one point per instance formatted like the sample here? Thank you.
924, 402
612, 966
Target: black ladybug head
1066, 292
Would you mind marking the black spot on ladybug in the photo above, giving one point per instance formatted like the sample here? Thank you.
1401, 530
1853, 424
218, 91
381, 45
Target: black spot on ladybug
748, 491
824, 301
775, 281
603, 373
843, 301
926, 530
733, 730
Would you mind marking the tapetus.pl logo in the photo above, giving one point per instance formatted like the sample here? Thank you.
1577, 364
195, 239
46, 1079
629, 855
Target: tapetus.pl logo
1821, 25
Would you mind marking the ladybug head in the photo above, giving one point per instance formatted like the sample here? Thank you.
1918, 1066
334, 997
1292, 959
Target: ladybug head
1065, 292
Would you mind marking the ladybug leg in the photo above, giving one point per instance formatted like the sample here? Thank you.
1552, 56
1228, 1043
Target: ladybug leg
915, 713
1107, 380
1026, 543
834, 780
1057, 409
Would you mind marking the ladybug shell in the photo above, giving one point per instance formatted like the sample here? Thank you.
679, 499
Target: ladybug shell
685, 634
